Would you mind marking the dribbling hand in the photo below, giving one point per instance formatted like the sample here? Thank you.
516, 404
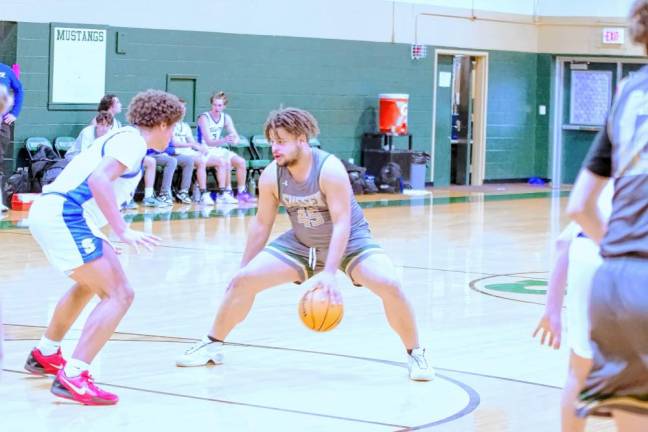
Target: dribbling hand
139, 238
327, 284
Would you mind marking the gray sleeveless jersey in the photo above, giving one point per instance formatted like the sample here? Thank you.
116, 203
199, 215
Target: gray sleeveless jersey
308, 210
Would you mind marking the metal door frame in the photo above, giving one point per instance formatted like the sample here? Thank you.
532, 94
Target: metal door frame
555, 161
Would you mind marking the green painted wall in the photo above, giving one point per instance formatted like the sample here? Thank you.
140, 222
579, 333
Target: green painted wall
339, 81
8, 34
543, 97
443, 119
511, 115
8, 37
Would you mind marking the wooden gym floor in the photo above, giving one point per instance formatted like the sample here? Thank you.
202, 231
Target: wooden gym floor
473, 262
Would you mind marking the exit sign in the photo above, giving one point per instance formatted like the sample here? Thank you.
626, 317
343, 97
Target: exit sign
613, 36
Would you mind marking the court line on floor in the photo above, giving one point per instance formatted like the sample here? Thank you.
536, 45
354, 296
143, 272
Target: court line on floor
228, 402
211, 213
186, 340
239, 253
474, 398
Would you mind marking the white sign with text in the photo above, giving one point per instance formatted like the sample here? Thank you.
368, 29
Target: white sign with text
78, 65
613, 35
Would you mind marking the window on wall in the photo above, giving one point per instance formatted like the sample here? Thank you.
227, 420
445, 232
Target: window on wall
77, 66
591, 96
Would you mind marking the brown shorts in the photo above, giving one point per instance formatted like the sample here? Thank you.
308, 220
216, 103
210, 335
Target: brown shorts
308, 261
619, 339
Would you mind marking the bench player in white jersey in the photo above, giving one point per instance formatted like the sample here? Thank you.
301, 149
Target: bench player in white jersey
65, 222
577, 259
185, 144
103, 123
329, 232
210, 130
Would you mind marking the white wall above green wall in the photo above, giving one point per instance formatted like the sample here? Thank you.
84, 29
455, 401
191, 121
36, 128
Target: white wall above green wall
439, 22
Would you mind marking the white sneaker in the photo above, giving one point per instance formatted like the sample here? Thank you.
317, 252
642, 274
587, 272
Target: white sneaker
3, 208
201, 353
206, 199
420, 369
227, 198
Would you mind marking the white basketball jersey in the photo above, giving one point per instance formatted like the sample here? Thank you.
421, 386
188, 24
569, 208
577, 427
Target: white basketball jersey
125, 145
214, 127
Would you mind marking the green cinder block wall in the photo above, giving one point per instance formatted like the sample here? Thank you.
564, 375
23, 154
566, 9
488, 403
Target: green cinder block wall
8, 38
511, 115
542, 137
339, 81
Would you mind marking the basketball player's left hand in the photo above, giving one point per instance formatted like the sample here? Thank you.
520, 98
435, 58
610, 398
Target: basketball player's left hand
550, 326
327, 283
9, 119
139, 238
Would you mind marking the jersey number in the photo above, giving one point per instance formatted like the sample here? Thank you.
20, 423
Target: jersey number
88, 245
309, 219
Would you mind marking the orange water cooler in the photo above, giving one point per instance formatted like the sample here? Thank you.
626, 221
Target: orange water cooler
392, 113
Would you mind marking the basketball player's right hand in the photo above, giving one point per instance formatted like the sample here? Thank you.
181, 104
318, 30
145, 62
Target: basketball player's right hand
327, 283
550, 326
139, 238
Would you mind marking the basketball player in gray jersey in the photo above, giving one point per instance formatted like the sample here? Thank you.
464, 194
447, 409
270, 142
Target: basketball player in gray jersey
328, 232
617, 383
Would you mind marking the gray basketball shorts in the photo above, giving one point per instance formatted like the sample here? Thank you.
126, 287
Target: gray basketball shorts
619, 339
308, 261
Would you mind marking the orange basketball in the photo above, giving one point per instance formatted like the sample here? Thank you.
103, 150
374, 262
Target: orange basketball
319, 311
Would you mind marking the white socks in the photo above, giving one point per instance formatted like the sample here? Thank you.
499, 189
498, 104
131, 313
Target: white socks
48, 347
148, 192
74, 368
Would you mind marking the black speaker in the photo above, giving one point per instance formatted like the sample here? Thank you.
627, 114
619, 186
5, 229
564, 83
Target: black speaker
372, 141
375, 159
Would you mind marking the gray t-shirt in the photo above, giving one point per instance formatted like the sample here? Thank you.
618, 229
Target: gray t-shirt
625, 132
308, 210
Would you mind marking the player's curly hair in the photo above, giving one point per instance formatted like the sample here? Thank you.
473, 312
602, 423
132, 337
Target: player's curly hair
639, 22
104, 117
218, 95
153, 107
295, 121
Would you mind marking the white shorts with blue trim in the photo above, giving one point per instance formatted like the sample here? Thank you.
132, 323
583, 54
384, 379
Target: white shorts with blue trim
584, 260
68, 239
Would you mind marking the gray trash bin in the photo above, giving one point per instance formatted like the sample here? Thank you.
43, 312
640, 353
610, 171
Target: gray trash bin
417, 170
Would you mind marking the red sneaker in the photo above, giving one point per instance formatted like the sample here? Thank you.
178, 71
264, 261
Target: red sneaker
82, 389
40, 364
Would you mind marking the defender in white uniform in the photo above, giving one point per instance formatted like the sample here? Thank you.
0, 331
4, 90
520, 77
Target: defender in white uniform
65, 222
